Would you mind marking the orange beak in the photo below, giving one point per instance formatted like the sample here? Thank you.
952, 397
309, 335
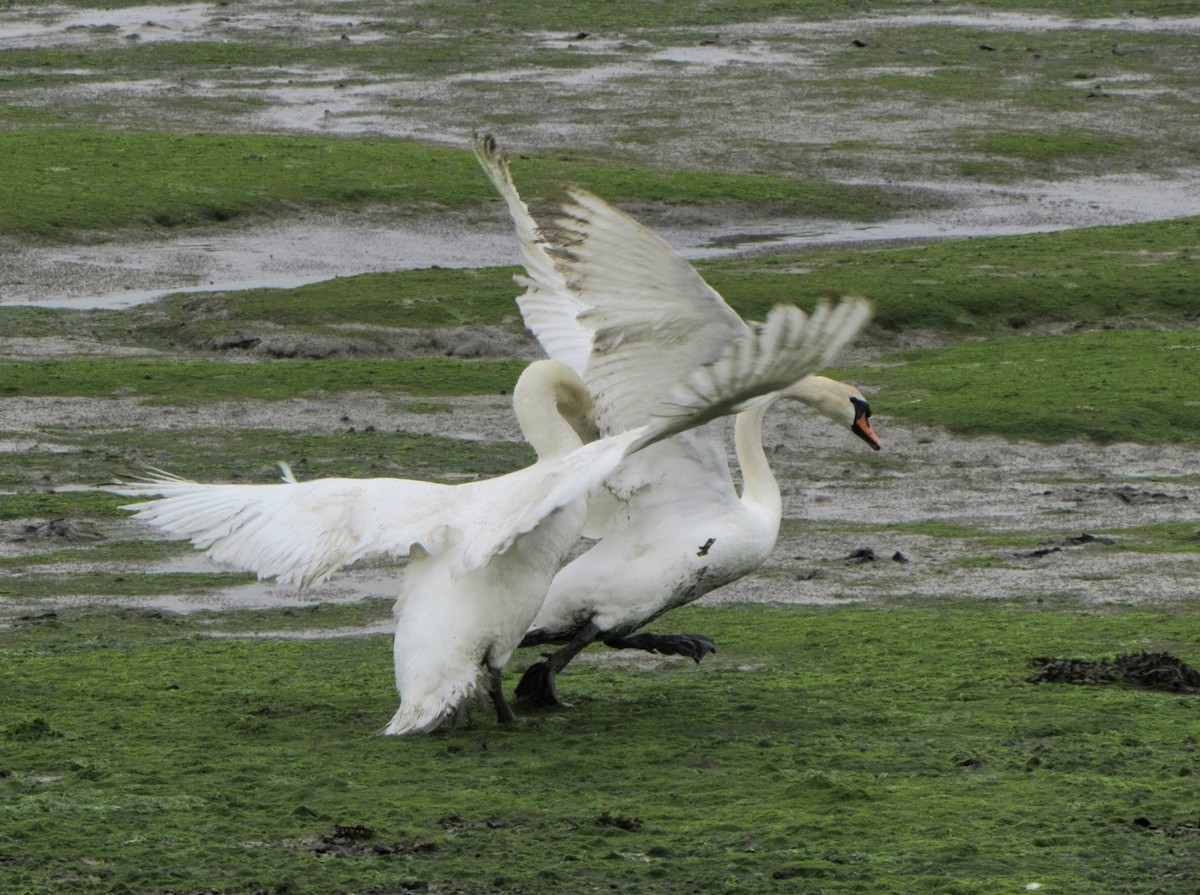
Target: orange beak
862, 428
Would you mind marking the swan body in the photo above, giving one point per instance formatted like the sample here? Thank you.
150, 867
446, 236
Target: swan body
681, 535
609, 298
481, 555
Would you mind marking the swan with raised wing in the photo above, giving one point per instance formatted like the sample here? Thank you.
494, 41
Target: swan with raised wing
481, 555
614, 302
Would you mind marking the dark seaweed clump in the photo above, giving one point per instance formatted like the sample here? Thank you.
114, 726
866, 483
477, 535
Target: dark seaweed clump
1156, 671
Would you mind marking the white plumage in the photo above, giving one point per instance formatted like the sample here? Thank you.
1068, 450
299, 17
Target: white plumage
613, 301
481, 554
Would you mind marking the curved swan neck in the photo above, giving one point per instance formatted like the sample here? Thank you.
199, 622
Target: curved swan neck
826, 396
553, 408
840, 402
759, 488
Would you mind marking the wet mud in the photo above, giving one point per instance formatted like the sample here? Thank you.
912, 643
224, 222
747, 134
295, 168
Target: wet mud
838, 502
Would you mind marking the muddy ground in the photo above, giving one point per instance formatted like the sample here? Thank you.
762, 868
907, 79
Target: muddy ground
832, 487
1066, 495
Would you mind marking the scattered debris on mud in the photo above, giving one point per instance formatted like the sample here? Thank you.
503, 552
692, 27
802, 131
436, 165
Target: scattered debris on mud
1057, 546
861, 555
54, 529
1173, 831
354, 841
1129, 494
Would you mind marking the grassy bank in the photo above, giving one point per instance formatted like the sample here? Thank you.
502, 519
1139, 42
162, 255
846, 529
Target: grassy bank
1126, 275
836, 750
69, 180
1105, 386
167, 381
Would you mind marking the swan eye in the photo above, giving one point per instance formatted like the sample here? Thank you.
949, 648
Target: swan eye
861, 408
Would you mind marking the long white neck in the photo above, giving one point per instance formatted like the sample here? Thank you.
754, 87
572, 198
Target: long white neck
826, 396
553, 408
760, 491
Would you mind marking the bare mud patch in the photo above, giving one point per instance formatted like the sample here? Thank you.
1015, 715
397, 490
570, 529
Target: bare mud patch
485, 418
124, 270
121, 271
839, 503
64, 26
645, 97
838, 500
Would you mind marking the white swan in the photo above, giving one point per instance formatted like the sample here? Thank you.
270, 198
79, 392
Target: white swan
610, 299
481, 554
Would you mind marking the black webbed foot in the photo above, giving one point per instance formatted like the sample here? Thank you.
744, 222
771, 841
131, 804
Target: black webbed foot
536, 688
694, 646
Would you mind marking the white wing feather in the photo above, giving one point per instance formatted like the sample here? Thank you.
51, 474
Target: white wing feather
652, 316
631, 328
548, 306
302, 532
773, 355
537, 491
299, 532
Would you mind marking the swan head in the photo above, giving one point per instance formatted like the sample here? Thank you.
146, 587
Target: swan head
839, 401
554, 408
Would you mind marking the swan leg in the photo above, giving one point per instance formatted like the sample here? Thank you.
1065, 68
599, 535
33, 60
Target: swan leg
504, 714
537, 688
694, 646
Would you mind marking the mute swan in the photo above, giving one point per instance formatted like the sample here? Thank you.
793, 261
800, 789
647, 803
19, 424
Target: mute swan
614, 302
481, 554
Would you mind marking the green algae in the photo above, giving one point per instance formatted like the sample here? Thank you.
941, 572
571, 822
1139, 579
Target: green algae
857, 750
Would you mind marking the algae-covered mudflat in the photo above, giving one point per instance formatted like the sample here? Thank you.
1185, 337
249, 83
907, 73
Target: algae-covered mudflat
239, 233
822, 749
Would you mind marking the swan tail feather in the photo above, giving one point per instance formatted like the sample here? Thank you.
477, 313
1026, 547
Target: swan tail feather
425, 712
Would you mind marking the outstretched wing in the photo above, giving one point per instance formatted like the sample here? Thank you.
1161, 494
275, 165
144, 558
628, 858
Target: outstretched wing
298, 532
612, 300
653, 318
548, 306
787, 347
